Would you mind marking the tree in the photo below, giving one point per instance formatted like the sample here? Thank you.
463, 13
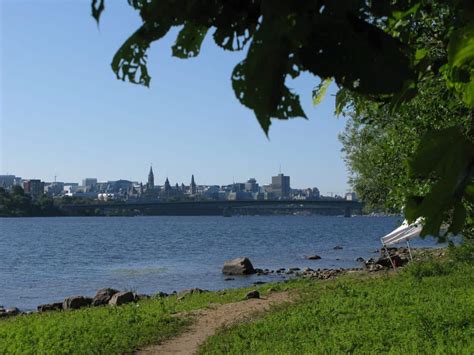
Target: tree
378, 144
370, 48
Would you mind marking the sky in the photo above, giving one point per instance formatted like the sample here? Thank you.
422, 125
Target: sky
64, 113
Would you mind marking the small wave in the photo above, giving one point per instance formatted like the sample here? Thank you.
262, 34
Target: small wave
139, 271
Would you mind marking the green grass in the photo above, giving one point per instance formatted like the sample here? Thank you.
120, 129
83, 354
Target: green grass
104, 330
428, 308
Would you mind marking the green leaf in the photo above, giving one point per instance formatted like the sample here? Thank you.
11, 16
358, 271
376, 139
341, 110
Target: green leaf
97, 8
259, 80
447, 157
188, 43
405, 94
460, 67
130, 61
320, 91
420, 54
469, 193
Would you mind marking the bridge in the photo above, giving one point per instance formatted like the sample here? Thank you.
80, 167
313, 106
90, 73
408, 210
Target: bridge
216, 208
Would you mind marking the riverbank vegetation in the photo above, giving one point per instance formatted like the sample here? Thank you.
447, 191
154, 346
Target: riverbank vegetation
428, 307
16, 203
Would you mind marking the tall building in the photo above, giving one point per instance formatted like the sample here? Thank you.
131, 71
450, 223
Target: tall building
281, 185
193, 187
89, 184
151, 179
251, 185
33, 187
7, 181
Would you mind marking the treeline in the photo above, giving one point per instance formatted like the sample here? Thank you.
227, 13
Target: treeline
16, 203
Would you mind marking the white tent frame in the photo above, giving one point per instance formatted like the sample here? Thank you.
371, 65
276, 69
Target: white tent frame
403, 233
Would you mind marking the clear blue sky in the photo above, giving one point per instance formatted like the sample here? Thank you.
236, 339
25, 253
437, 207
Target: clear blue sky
63, 111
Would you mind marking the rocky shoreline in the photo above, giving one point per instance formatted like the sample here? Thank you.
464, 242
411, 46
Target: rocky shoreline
236, 267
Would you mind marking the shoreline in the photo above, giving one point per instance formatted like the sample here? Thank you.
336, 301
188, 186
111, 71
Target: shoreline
371, 265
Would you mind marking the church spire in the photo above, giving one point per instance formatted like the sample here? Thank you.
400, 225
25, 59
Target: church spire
151, 179
193, 186
167, 185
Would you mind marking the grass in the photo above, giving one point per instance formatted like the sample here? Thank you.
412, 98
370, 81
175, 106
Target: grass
104, 330
428, 308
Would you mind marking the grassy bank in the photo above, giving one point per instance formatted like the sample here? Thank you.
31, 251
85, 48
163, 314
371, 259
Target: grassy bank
428, 308
104, 330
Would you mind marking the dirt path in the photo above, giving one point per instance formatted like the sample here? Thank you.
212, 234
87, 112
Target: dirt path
210, 320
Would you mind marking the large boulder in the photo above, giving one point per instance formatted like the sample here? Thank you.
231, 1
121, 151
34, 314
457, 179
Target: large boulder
252, 294
122, 298
103, 296
8, 312
239, 266
313, 257
50, 307
76, 302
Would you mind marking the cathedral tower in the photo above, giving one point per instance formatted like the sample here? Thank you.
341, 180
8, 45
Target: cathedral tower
151, 179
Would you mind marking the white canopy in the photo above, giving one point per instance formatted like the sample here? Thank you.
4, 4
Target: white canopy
403, 233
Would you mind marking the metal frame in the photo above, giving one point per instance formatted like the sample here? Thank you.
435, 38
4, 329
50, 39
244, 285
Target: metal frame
390, 258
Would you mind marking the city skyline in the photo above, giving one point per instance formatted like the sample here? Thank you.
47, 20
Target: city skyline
161, 181
73, 119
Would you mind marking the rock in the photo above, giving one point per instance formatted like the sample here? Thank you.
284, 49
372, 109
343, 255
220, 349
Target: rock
396, 259
122, 298
294, 269
191, 291
259, 283
76, 302
313, 257
375, 267
103, 296
161, 294
229, 279
252, 294
360, 259
58, 306
13, 311
239, 266
337, 247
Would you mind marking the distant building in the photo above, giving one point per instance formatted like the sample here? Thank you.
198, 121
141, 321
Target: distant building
193, 187
70, 188
89, 184
7, 181
251, 185
54, 188
167, 186
151, 179
351, 196
281, 185
33, 187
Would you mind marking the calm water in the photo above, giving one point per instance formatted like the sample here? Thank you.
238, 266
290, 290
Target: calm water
47, 259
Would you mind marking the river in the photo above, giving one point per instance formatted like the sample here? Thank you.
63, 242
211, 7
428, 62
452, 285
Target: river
43, 260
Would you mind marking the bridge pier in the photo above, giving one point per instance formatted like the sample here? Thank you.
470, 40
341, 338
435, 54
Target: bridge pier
348, 212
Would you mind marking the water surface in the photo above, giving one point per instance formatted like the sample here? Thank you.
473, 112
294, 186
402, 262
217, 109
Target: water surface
47, 259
